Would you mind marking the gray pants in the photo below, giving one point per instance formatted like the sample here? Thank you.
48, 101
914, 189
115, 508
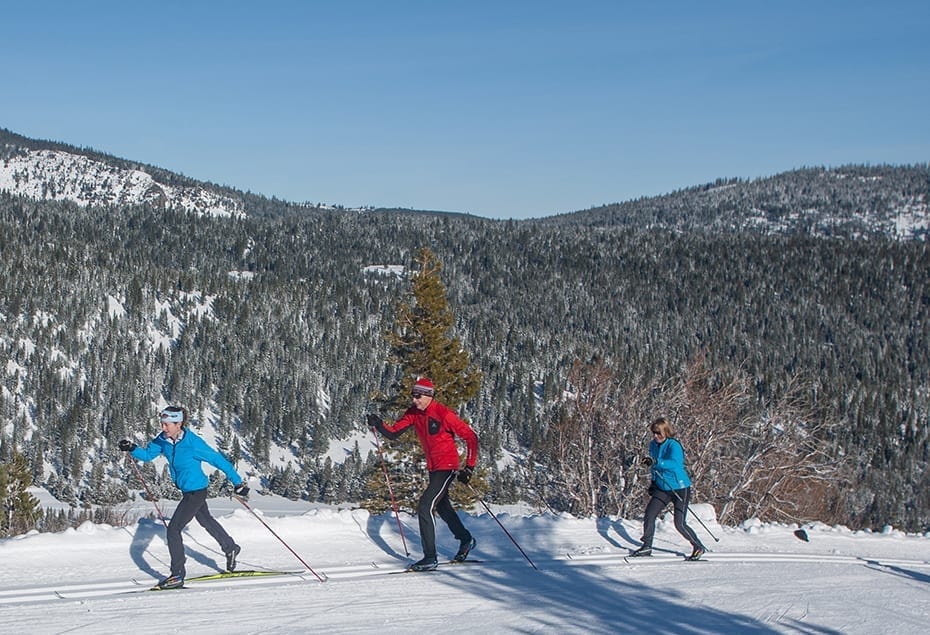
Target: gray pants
193, 505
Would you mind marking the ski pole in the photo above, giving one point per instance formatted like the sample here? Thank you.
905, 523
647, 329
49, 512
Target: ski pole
688, 509
308, 567
387, 477
698, 518
148, 493
488, 509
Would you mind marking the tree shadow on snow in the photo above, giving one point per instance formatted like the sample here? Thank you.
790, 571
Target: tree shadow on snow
898, 571
597, 603
590, 599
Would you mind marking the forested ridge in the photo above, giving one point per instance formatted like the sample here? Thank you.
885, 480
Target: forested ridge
269, 328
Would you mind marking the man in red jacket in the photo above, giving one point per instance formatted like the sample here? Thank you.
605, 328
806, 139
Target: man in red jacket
437, 427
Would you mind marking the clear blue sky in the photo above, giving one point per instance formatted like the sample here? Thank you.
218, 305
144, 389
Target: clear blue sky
503, 109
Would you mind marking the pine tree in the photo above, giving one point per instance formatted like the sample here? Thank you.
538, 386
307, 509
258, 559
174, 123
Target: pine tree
19, 510
421, 342
422, 345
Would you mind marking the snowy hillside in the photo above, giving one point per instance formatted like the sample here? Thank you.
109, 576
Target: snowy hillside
62, 176
857, 201
759, 578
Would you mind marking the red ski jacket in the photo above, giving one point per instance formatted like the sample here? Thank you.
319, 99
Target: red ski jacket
437, 427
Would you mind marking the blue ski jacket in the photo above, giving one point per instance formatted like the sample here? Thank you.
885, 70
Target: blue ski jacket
185, 457
668, 471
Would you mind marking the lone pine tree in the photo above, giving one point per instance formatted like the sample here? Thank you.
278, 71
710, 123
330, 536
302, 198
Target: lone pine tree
422, 344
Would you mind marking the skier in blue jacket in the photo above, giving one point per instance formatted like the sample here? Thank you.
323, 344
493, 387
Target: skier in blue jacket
186, 452
670, 484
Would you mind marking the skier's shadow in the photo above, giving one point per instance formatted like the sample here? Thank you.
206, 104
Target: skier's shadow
604, 526
148, 530
374, 533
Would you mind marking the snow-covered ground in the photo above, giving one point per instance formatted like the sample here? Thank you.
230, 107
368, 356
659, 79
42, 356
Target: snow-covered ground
759, 578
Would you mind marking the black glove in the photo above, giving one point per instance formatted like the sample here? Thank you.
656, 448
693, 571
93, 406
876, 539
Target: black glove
648, 461
241, 490
374, 421
465, 474
652, 488
126, 445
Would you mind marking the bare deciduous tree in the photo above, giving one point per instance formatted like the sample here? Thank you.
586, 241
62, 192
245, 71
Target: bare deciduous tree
593, 449
769, 460
772, 461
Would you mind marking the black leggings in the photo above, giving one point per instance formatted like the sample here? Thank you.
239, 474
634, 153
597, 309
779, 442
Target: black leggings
436, 498
660, 499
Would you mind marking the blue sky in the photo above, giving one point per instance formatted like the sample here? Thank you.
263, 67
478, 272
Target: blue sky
504, 109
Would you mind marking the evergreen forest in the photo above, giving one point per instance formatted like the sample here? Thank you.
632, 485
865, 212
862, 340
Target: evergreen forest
739, 299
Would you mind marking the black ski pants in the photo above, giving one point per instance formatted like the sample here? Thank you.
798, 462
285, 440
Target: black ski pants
436, 498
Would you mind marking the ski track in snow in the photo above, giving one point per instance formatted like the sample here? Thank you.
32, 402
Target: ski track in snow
352, 572
758, 578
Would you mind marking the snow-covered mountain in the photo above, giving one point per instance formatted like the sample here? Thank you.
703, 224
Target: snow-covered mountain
853, 201
47, 174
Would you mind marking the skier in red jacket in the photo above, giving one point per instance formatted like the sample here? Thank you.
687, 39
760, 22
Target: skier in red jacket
437, 426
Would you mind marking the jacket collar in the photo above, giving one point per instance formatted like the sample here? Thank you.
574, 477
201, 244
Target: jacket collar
174, 441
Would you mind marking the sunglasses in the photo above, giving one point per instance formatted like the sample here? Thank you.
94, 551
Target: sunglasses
417, 395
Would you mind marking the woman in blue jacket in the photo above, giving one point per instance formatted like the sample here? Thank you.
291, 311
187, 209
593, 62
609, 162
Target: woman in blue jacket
670, 484
186, 452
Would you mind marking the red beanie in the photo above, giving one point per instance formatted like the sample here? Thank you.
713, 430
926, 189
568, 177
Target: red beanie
423, 387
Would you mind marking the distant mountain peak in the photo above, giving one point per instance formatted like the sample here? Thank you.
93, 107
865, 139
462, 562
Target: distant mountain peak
855, 201
58, 175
